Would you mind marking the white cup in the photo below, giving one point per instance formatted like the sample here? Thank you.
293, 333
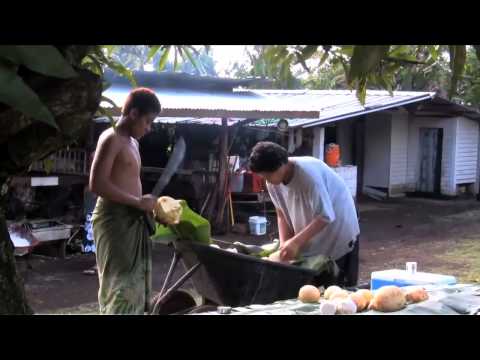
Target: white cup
411, 267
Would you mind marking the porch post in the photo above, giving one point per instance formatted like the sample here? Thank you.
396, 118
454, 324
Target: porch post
223, 173
298, 138
318, 142
291, 141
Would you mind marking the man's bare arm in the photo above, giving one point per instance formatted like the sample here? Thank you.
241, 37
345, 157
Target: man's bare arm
100, 183
307, 233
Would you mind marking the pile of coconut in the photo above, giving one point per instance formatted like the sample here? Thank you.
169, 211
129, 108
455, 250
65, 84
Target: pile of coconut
335, 300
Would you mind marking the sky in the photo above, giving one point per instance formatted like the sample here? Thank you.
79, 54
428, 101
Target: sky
227, 55
223, 55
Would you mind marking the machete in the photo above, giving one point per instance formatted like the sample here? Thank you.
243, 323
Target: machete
173, 163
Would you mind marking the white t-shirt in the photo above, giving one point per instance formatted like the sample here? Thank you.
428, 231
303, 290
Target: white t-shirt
315, 190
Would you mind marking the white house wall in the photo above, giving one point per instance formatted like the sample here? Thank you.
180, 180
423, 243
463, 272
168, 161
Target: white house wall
399, 153
377, 150
449, 126
466, 151
392, 151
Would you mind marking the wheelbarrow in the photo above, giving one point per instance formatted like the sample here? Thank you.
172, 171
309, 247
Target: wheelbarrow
224, 278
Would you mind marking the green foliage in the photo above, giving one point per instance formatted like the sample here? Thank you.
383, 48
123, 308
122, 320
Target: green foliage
327, 77
46, 60
187, 60
271, 62
14, 92
458, 57
389, 67
469, 84
164, 58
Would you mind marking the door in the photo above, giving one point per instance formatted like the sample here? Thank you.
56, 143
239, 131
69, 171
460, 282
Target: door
430, 160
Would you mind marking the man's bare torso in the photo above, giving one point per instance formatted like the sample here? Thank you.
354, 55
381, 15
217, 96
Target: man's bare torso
127, 163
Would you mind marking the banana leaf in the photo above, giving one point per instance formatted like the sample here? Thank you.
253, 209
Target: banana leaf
257, 251
192, 227
319, 263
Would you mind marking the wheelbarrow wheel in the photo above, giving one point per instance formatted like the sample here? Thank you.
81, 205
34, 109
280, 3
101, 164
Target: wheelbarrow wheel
178, 302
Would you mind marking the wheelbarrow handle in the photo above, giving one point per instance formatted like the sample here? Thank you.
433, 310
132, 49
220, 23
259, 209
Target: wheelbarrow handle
176, 258
174, 287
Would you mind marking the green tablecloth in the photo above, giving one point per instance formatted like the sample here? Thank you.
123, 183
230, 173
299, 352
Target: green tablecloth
461, 299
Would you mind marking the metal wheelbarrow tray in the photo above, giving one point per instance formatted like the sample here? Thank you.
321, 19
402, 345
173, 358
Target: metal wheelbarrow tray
233, 279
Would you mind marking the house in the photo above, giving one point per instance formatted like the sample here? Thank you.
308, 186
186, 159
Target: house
208, 114
393, 145
408, 142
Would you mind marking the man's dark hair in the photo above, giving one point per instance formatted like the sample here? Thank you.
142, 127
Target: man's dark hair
267, 156
142, 99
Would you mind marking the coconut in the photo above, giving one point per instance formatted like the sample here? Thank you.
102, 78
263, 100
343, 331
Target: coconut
415, 295
309, 294
388, 299
359, 301
330, 291
340, 294
367, 295
168, 210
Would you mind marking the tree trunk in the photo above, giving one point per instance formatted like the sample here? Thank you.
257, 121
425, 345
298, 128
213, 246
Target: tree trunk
12, 293
73, 103
216, 207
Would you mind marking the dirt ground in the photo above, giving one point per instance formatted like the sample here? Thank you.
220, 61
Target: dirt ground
441, 235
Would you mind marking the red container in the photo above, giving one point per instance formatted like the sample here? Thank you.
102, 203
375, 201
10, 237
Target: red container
253, 183
332, 155
257, 183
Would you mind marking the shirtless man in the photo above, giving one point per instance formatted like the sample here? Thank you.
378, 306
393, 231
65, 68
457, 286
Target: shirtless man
122, 213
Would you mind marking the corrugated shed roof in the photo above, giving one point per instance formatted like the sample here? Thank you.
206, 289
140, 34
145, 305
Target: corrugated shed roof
197, 121
206, 101
184, 120
334, 105
441, 106
221, 104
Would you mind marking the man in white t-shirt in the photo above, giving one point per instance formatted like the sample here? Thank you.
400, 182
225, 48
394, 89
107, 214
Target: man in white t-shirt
315, 210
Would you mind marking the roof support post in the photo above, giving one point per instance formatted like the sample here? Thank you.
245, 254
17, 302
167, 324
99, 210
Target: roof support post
291, 141
222, 176
298, 138
318, 142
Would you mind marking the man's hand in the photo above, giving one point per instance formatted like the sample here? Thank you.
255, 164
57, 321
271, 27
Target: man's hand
289, 250
147, 202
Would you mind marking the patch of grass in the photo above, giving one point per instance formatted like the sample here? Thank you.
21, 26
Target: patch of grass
467, 256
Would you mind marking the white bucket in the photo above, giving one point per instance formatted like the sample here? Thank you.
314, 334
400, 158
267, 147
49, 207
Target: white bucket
258, 225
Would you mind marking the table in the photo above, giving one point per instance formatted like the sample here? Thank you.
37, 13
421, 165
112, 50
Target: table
460, 299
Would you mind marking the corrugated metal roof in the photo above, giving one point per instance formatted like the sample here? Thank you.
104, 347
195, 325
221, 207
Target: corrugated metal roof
219, 104
440, 106
197, 121
335, 105
182, 120
303, 108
